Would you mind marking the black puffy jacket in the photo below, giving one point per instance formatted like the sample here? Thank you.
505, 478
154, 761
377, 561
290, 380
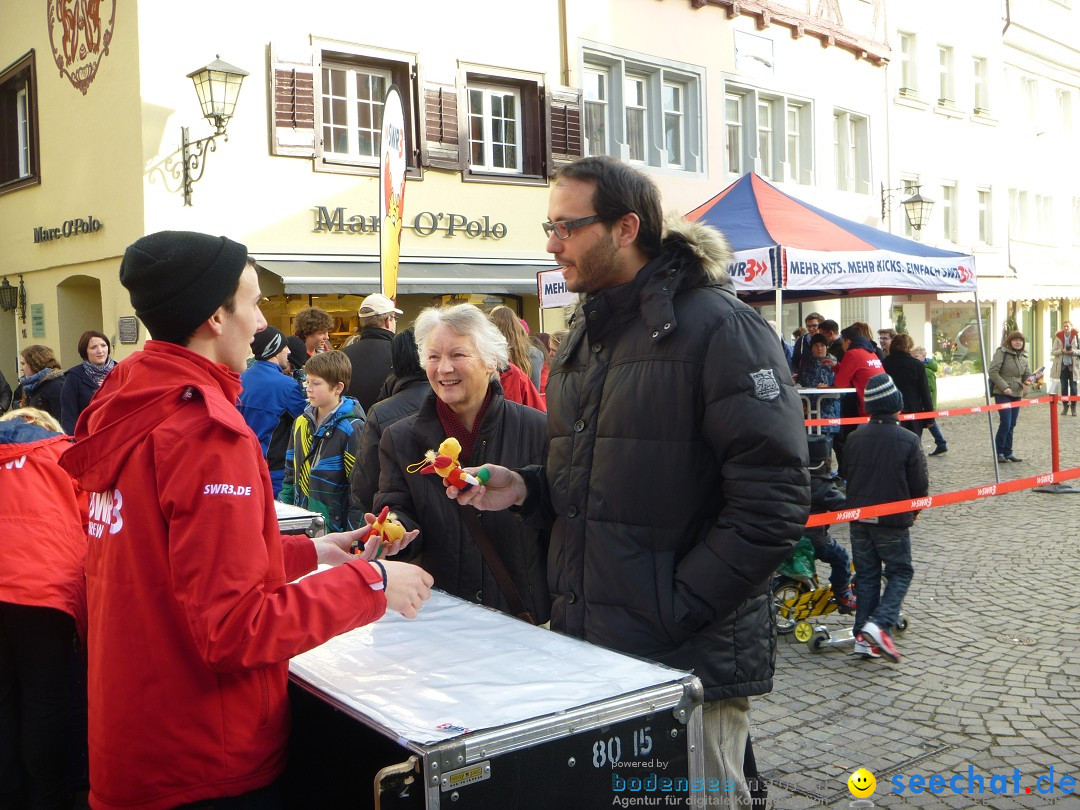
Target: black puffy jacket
511, 435
676, 470
884, 463
371, 362
404, 400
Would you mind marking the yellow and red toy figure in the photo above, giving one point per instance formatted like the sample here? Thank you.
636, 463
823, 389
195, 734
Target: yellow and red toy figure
444, 463
386, 529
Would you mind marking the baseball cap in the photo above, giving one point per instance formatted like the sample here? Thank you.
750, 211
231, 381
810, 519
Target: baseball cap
378, 304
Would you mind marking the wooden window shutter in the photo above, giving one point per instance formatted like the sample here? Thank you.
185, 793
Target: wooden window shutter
442, 139
292, 87
564, 127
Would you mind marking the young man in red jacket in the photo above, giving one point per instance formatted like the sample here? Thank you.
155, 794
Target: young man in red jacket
193, 610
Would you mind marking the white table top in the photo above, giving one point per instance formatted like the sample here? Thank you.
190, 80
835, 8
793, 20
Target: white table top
460, 666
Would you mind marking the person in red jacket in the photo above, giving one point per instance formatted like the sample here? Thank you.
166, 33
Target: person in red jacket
517, 387
194, 613
42, 605
856, 369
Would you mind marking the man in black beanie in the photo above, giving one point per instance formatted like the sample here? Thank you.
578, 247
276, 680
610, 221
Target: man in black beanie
194, 612
884, 463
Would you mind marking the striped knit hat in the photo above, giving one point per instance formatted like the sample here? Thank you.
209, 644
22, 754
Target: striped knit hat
881, 395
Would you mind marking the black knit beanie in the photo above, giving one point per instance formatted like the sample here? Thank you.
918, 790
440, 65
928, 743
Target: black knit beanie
268, 343
178, 279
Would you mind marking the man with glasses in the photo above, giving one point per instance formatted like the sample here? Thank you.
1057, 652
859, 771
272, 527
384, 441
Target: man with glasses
370, 355
676, 477
801, 352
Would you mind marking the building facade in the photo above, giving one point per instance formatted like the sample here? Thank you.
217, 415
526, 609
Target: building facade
846, 104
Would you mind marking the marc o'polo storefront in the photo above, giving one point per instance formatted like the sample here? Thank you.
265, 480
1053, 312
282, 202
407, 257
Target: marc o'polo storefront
447, 256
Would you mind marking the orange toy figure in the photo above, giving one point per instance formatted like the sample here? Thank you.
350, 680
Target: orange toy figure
444, 463
386, 528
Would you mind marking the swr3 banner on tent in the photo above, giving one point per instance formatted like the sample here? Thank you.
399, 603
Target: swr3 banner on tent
877, 269
753, 269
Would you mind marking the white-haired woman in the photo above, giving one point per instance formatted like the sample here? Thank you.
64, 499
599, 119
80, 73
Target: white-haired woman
461, 350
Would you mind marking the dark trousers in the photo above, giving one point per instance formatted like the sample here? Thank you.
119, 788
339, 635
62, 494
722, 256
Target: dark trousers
1068, 382
264, 798
877, 550
939, 437
38, 655
829, 551
1006, 423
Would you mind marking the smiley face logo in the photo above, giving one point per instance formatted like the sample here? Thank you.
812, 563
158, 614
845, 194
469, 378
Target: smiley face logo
862, 783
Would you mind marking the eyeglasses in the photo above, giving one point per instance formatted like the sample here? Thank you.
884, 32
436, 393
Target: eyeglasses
812, 326
563, 230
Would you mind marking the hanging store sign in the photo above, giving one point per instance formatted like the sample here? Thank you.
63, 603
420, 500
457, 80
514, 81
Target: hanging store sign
425, 223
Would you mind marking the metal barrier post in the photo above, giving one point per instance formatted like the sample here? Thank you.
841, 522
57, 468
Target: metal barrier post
1055, 453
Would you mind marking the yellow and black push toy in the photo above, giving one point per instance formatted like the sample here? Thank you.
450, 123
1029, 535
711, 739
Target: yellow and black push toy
799, 596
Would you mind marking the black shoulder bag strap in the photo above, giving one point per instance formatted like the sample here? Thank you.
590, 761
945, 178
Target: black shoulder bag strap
495, 563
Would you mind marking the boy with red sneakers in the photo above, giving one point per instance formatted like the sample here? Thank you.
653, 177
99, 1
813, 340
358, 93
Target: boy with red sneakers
885, 463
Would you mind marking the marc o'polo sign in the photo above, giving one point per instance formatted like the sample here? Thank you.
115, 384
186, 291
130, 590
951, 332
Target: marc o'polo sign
69, 227
425, 223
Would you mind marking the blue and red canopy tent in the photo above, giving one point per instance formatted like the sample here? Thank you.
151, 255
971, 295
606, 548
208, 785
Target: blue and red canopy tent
782, 244
786, 247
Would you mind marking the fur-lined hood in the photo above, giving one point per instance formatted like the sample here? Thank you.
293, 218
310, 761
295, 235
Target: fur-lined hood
707, 247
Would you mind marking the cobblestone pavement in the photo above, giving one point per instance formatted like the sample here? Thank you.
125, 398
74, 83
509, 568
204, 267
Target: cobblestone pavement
989, 681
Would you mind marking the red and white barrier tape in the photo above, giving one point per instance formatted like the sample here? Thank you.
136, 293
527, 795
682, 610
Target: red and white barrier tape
905, 417
943, 499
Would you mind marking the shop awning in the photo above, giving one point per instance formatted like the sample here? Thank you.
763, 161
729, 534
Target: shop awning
362, 277
1012, 289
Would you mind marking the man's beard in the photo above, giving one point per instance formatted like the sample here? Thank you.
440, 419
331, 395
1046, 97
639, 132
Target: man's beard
597, 268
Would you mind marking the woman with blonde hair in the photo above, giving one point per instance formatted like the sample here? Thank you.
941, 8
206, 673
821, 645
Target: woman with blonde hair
41, 381
522, 353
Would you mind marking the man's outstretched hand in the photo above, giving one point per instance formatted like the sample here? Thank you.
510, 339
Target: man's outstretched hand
504, 488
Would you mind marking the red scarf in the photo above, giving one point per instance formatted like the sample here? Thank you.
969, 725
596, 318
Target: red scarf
1072, 338
456, 428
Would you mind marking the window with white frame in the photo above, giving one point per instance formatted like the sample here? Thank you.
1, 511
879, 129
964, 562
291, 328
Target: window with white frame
984, 202
18, 125
948, 211
769, 133
1065, 99
796, 135
1029, 87
1044, 218
734, 133
765, 135
644, 110
908, 86
342, 107
674, 95
596, 96
352, 102
851, 150
637, 117
495, 129
946, 92
981, 79
1019, 215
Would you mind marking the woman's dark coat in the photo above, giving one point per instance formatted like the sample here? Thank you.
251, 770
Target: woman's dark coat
510, 434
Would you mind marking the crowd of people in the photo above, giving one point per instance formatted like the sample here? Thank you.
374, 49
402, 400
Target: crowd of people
172, 459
